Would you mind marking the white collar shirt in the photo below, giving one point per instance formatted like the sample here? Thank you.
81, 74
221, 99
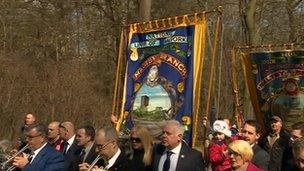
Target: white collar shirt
70, 142
113, 159
87, 150
173, 158
37, 151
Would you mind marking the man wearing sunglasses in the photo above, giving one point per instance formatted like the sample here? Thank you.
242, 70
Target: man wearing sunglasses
173, 154
107, 147
43, 156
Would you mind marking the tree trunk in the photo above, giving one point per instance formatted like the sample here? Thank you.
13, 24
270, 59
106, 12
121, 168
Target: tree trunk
254, 37
144, 10
290, 8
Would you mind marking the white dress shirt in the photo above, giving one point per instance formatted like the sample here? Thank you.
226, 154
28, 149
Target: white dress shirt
37, 151
113, 159
87, 151
70, 142
173, 158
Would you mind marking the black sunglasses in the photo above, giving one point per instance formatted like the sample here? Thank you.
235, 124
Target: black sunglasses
135, 140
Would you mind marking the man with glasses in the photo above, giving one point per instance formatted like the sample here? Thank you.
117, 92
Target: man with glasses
43, 156
251, 132
173, 154
107, 147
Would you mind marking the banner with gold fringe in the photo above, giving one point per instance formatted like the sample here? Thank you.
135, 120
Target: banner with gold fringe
276, 84
163, 73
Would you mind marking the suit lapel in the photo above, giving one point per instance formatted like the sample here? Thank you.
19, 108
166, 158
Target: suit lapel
118, 162
40, 155
91, 155
182, 155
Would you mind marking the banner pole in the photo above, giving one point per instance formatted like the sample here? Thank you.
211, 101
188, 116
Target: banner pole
212, 70
237, 110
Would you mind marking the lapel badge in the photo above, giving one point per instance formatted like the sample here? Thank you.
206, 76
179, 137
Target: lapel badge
182, 156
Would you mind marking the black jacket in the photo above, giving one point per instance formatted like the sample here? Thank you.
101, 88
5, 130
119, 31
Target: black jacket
136, 162
188, 160
279, 153
260, 157
120, 163
71, 157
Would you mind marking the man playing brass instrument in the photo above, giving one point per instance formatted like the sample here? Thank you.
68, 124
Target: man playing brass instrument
43, 156
85, 136
107, 147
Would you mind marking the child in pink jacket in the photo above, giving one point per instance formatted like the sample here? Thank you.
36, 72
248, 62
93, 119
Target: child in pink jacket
218, 148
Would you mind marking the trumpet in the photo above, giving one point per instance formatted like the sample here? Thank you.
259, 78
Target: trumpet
5, 163
94, 162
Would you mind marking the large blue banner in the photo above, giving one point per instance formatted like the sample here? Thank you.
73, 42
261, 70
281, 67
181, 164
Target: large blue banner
159, 83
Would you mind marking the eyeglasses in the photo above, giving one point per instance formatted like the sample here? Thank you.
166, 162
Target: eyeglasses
230, 153
135, 140
33, 136
102, 146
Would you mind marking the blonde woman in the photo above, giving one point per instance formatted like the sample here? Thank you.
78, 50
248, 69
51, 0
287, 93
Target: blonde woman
141, 141
240, 153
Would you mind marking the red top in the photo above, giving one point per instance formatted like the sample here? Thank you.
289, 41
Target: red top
252, 167
218, 160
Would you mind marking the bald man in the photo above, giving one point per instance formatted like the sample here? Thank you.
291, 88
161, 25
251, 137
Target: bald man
29, 119
53, 136
71, 150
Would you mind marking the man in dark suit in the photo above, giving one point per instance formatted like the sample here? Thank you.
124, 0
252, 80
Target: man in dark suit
43, 156
106, 141
71, 150
251, 132
85, 137
53, 136
173, 154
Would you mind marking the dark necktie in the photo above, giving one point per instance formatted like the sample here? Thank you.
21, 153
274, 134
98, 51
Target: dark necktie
30, 157
82, 155
65, 147
166, 166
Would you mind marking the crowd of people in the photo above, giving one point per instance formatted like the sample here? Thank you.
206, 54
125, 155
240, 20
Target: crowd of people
63, 147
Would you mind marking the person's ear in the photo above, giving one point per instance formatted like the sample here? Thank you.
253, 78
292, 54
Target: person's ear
180, 136
258, 135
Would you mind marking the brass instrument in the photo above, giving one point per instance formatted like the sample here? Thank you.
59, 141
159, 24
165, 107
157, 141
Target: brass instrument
5, 163
94, 162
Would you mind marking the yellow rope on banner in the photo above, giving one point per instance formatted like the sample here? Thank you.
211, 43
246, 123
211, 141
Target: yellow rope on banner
117, 78
122, 112
210, 86
199, 56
